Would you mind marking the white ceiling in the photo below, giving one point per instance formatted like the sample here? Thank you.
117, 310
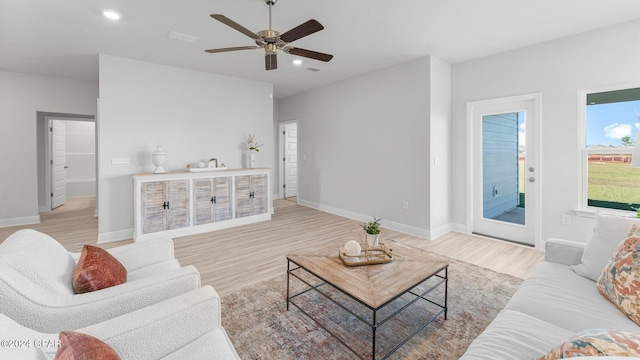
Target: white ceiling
64, 37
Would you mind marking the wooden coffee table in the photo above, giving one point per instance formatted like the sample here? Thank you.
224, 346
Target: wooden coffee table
373, 286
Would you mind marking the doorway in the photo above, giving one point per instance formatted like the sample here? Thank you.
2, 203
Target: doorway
67, 150
503, 188
288, 152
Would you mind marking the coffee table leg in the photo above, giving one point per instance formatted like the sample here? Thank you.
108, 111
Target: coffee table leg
373, 332
288, 275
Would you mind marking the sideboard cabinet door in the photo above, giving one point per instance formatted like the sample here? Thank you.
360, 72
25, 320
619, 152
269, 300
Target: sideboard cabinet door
165, 205
212, 200
251, 195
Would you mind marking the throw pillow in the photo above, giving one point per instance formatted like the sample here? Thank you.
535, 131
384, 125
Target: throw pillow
597, 343
620, 279
79, 346
97, 269
608, 232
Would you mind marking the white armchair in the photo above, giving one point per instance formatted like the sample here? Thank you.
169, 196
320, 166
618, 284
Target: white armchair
36, 282
185, 327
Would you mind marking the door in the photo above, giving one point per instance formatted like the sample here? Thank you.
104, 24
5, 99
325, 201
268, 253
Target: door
290, 159
504, 153
58, 167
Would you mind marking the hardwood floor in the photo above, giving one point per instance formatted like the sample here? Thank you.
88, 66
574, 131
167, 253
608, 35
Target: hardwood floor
234, 258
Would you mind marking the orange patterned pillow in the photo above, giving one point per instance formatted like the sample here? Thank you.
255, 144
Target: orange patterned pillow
597, 343
79, 346
97, 269
620, 279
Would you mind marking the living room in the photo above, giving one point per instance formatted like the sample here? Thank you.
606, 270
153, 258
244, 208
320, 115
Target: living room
366, 143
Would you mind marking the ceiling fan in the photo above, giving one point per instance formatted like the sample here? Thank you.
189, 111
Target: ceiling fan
271, 40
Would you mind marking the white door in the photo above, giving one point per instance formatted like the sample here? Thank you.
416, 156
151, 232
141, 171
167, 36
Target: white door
58, 164
504, 167
290, 159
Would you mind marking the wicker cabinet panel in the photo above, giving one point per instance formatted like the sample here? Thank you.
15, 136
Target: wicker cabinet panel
243, 196
212, 200
153, 218
165, 205
251, 195
259, 185
222, 192
178, 201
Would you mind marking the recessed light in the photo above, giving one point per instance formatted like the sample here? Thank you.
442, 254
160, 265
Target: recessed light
297, 62
111, 15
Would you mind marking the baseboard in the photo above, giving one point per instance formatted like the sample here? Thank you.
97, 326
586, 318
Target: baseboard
27, 220
403, 228
115, 236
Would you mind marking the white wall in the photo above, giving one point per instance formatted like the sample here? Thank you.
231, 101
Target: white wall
21, 96
557, 69
193, 115
365, 144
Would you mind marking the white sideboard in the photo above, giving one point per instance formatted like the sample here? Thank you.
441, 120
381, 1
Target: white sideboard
185, 203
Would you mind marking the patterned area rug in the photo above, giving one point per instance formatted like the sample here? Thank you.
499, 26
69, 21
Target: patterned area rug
260, 327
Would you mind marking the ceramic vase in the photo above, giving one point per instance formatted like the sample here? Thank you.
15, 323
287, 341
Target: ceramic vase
373, 240
252, 160
159, 157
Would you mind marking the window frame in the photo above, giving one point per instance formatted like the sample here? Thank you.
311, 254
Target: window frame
584, 209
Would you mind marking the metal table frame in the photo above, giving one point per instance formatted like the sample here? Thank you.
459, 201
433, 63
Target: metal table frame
375, 323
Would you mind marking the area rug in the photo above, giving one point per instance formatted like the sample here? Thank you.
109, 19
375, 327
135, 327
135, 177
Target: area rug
260, 327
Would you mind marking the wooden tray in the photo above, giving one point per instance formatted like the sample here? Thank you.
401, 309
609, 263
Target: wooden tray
380, 255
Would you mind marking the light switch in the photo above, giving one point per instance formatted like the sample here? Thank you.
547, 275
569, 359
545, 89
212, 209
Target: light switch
119, 161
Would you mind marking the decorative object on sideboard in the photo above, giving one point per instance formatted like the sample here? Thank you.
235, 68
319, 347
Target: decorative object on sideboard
372, 230
251, 145
159, 157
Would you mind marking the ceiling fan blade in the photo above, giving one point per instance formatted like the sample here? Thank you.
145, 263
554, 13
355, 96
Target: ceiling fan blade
270, 61
213, 51
301, 31
309, 54
225, 20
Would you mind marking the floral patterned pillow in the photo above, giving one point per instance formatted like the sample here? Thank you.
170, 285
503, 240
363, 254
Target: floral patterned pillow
597, 343
620, 279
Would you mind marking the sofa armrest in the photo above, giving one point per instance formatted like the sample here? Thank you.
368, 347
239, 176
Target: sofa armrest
161, 329
144, 253
562, 251
44, 311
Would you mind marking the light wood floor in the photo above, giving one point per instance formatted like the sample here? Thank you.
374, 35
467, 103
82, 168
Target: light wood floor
233, 258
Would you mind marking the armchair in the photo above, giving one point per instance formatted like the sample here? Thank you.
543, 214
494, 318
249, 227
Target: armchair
185, 327
36, 282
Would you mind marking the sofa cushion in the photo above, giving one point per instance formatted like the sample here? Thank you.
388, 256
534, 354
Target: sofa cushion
79, 346
559, 296
97, 269
608, 232
620, 279
39, 258
597, 342
514, 335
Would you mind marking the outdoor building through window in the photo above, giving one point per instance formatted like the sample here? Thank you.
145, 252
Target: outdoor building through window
612, 121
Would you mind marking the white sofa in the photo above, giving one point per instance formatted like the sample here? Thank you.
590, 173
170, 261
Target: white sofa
36, 282
555, 303
184, 327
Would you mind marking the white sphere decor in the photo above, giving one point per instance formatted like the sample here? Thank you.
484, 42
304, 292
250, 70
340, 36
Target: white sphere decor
352, 248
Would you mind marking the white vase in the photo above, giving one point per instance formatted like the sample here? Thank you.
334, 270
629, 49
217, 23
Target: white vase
252, 160
373, 240
159, 157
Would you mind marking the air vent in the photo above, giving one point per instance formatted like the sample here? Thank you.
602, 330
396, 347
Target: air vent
182, 37
312, 69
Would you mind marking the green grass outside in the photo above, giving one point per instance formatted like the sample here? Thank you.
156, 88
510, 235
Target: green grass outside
615, 183
611, 185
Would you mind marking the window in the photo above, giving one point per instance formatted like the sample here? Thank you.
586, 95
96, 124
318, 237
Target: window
611, 123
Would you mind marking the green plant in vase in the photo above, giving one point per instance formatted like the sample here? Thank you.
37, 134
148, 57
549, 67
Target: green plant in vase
372, 230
